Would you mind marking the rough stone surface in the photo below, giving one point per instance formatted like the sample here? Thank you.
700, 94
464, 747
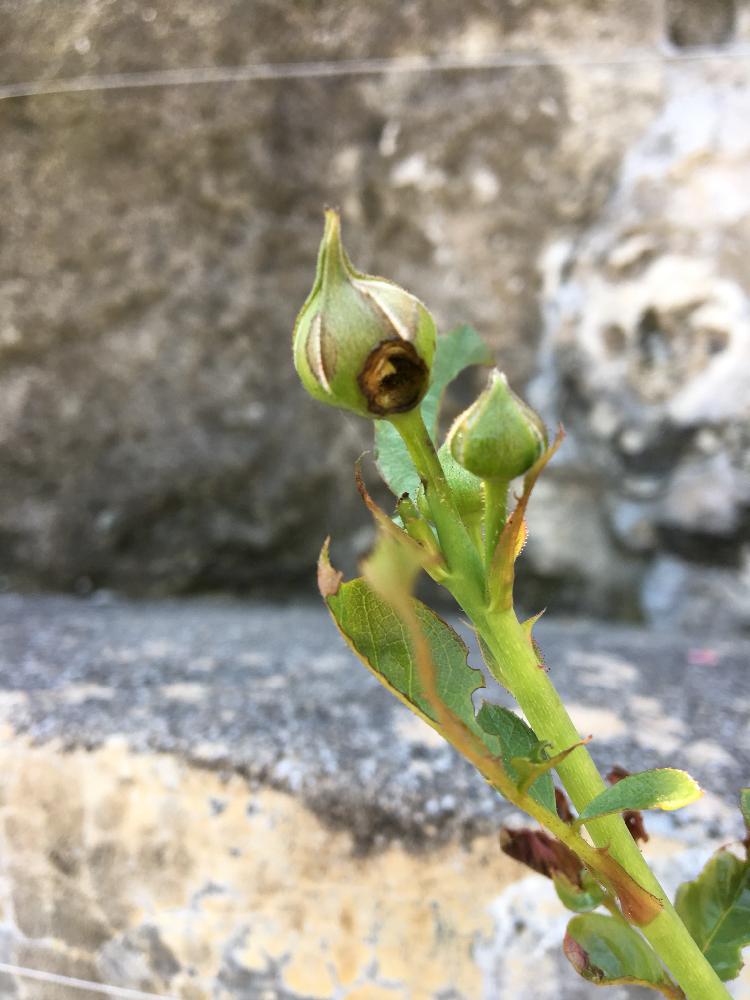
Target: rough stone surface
647, 361
158, 242
213, 799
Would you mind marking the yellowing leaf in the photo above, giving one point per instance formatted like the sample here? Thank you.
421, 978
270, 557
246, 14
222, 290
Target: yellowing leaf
662, 788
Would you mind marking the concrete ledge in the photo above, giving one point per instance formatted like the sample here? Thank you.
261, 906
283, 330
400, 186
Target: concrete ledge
213, 799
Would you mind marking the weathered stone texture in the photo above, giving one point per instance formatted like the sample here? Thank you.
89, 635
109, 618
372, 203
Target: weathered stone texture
156, 244
647, 360
214, 801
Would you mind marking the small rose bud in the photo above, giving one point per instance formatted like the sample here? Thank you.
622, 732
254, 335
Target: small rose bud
465, 487
360, 342
499, 436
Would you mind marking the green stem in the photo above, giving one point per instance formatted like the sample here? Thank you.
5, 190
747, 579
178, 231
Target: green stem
463, 560
495, 512
473, 524
541, 704
546, 714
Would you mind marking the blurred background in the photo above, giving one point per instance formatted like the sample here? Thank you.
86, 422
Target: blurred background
201, 796
585, 204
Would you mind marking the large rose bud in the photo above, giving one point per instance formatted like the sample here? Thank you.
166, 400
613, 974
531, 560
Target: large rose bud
360, 342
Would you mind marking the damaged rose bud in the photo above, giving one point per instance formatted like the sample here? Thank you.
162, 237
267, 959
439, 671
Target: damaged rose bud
542, 853
499, 436
360, 342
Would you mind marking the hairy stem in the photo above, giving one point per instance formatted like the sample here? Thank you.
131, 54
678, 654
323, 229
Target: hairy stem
511, 647
464, 562
546, 714
495, 511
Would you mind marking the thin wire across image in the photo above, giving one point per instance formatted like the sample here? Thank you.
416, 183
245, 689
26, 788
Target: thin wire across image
259, 72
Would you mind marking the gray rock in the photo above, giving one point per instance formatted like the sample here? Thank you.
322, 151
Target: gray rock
713, 23
157, 244
213, 799
681, 594
647, 359
271, 692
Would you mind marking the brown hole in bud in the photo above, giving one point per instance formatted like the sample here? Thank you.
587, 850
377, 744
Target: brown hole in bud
394, 377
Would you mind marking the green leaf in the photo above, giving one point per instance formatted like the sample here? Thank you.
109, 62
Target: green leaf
517, 741
455, 351
715, 908
378, 636
538, 762
393, 462
662, 788
607, 952
580, 899
745, 806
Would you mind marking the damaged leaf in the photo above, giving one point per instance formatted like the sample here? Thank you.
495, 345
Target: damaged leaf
541, 852
662, 788
455, 351
374, 631
633, 819
607, 952
377, 634
562, 803
638, 905
715, 908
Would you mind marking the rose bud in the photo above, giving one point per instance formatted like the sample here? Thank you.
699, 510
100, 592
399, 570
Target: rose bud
361, 342
499, 436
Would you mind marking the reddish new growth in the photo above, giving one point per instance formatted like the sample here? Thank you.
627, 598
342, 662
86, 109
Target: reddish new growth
542, 853
563, 806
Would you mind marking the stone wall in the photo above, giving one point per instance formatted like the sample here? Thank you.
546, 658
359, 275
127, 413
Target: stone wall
213, 801
157, 243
